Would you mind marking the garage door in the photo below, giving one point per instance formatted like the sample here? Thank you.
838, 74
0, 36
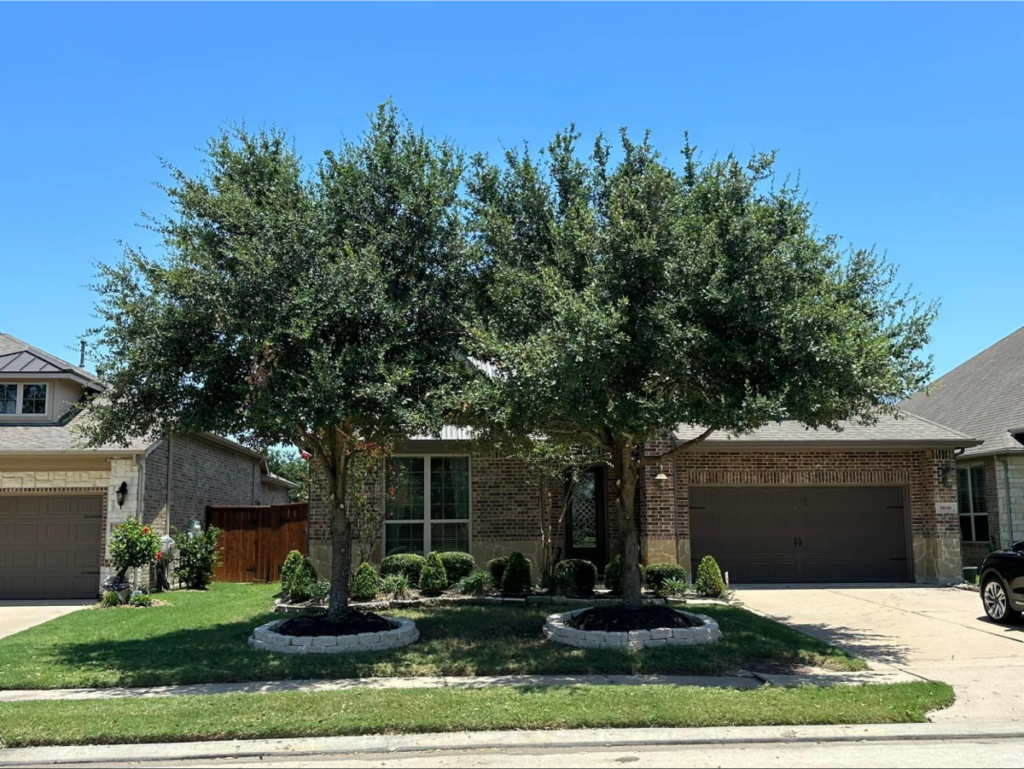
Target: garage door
806, 534
50, 546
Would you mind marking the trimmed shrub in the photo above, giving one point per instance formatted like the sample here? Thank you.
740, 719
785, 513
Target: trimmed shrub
613, 575
321, 590
518, 574
365, 584
496, 566
709, 580
298, 577
457, 565
433, 578
476, 583
198, 555
409, 564
582, 576
657, 573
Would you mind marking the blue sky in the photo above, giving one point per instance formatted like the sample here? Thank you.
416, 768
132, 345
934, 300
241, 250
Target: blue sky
904, 121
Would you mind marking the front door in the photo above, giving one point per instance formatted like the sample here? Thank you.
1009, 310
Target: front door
585, 519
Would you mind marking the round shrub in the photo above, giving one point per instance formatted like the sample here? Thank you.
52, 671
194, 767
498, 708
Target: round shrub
496, 566
365, 584
657, 573
433, 578
709, 580
613, 575
408, 564
583, 575
518, 575
457, 565
298, 577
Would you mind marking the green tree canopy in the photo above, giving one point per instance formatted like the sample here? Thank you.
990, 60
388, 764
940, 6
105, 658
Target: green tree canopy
292, 305
617, 300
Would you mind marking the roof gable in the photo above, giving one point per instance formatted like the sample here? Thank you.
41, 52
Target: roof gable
983, 396
18, 358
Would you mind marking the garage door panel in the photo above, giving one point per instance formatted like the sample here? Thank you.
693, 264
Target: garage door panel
801, 534
50, 546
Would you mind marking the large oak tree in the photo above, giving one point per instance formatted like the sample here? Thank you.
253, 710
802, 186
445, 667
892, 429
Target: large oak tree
316, 307
618, 299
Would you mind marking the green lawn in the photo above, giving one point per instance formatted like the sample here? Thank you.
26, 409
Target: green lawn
291, 714
201, 638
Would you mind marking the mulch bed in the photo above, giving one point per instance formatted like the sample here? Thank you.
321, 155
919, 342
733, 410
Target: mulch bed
616, 619
354, 623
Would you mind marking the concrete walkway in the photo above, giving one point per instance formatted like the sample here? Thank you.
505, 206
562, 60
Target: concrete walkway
940, 634
464, 749
16, 616
743, 681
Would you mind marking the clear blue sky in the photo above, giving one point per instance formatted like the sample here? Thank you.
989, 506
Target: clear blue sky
905, 121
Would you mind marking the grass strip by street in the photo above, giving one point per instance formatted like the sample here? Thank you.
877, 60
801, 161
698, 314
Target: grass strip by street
200, 637
322, 714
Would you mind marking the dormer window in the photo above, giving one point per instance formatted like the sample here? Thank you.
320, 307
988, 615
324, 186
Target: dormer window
26, 399
8, 399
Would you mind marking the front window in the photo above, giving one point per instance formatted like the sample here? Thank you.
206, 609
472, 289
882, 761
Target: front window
428, 509
973, 504
22, 399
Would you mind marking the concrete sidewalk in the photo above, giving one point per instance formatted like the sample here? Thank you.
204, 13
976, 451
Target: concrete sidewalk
744, 681
336, 748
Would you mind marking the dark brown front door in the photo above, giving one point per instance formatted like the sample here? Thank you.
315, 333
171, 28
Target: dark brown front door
585, 519
804, 534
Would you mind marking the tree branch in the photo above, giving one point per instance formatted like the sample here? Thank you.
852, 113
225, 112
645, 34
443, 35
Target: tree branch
648, 461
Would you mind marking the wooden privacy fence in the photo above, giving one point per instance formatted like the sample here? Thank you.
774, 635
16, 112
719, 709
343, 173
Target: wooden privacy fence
256, 540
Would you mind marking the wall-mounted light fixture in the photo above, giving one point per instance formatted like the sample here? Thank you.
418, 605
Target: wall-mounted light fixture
661, 475
121, 493
949, 476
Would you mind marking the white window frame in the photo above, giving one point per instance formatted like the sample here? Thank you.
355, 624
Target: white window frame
19, 401
427, 521
972, 513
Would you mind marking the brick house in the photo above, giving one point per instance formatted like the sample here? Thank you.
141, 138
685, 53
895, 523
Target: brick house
784, 504
985, 398
59, 501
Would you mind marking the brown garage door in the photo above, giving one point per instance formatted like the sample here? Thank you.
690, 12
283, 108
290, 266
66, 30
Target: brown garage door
806, 534
50, 546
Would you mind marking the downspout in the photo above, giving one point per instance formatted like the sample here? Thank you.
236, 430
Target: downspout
169, 476
1009, 501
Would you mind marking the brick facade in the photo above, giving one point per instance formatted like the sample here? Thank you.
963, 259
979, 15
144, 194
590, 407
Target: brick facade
506, 500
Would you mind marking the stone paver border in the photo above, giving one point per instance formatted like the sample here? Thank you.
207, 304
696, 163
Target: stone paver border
557, 629
265, 638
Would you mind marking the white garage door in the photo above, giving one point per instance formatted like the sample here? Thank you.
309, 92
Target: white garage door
50, 546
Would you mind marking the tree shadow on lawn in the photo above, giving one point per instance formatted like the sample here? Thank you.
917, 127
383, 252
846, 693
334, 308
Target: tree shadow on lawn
454, 641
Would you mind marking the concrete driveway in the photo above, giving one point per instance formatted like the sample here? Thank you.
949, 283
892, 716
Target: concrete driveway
16, 616
940, 634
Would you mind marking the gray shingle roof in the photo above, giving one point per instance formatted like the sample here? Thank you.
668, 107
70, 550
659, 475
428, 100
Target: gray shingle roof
906, 429
18, 357
56, 438
983, 397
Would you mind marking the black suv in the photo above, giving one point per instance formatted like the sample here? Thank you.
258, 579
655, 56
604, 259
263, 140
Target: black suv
1002, 584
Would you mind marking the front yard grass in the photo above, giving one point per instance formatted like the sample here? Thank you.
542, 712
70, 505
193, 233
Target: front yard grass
392, 711
201, 638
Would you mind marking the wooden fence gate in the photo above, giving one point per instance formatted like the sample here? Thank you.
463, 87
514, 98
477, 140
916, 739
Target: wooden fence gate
256, 540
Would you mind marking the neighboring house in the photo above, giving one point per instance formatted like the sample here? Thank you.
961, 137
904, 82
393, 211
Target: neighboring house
784, 504
985, 398
59, 501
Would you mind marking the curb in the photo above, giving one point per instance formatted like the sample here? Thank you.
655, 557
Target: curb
508, 740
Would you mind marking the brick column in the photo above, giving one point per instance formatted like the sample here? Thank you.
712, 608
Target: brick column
661, 531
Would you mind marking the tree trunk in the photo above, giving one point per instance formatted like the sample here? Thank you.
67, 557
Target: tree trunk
341, 537
626, 509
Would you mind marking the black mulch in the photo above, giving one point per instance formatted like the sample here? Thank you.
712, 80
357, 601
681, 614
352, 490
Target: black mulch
615, 619
355, 622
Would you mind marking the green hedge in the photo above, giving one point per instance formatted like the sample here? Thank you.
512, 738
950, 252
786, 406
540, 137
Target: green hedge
408, 564
613, 575
457, 566
583, 575
657, 573
433, 578
518, 574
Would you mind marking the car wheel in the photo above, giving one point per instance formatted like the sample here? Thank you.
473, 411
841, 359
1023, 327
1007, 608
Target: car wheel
997, 603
